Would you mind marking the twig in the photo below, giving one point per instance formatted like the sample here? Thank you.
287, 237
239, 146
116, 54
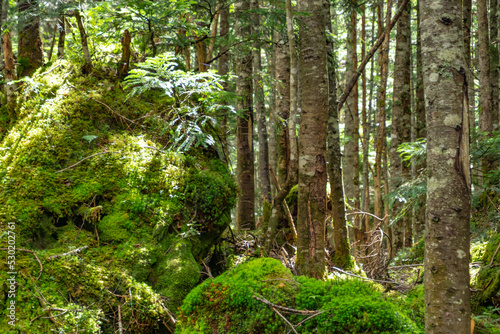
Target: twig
120, 325
365, 278
283, 308
494, 255
209, 272
407, 266
79, 162
63, 312
32, 252
74, 251
365, 213
115, 112
308, 318
286, 320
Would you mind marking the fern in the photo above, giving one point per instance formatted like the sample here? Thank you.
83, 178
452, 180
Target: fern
193, 118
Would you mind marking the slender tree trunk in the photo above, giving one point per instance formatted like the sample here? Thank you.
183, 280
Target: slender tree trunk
400, 129
61, 25
213, 34
282, 107
260, 110
381, 95
201, 53
446, 273
124, 63
342, 257
494, 64
467, 26
273, 145
10, 76
52, 43
351, 148
486, 115
245, 215
30, 51
85, 47
420, 128
224, 70
312, 142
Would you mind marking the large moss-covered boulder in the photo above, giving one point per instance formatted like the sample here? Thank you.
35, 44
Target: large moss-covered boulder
227, 304
83, 167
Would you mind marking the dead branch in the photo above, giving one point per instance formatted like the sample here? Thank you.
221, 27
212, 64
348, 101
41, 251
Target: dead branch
32, 252
116, 113
365, 278
286, 320
74, 251
120, 325
79, 162
308, 318
283, 308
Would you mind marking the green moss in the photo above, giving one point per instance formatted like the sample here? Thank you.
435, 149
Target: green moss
128, 203
226, 304
177, 273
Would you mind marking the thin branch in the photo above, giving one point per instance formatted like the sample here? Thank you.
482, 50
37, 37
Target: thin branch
32, 252
286, 320
366, 213
115, 112
308, 318
79, 162
74, 251
283, 308
365, 278
369, 55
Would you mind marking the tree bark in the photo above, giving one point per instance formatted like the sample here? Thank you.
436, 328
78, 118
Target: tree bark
420, 129
494, 62
446, 271
224, 70
381, 96
30, 50
342, 257
52, 43
486, 114
312, 142
351, 148
265, 182
124, 63
245, 213
10, 76
400, 129
61, 25
85, 48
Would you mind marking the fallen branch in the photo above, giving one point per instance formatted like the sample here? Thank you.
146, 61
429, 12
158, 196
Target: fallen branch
116, 113
283, 308
365, 278
74, 251
286, 320
308, 318
494, 255
32, 252
79, 162
366, 213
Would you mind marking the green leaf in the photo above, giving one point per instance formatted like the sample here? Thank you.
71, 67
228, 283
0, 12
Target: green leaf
89, 138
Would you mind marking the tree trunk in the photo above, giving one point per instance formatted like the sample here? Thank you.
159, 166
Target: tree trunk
400, 129
52, 43
446, 273
265, 184
124, 63
83, 36
224, 70
312, 142
10, 76
486, 115
30, 50
282, 107
342, 257
494, 62
420, 129
351, 148
61, 25
381, 95
245, 214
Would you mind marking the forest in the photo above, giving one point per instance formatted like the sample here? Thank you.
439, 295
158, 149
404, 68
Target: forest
249, 166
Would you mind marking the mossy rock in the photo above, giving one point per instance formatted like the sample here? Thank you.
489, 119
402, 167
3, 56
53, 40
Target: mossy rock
129, 201
177, 274
488, 277
227, 304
